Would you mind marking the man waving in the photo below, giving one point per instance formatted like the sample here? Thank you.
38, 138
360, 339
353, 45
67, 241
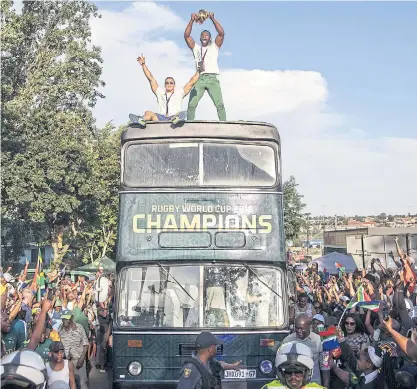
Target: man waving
206, 59
169, 100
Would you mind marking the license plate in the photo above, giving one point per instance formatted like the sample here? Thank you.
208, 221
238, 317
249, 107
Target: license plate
240, 374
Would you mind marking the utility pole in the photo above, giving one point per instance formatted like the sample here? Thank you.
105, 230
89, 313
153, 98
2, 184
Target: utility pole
308, 232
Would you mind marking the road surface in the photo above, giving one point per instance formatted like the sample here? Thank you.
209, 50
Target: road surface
101, 380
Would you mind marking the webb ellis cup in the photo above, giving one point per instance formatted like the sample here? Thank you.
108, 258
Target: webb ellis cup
201, 16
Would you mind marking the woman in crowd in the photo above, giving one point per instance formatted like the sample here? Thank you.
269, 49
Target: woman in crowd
354, 331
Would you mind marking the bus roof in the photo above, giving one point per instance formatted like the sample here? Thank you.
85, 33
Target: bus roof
240, 130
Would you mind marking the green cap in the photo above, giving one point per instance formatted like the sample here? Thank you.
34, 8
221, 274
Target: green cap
67, 315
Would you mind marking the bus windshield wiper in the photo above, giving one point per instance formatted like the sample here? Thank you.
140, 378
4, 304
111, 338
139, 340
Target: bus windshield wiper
167, 272
254, 273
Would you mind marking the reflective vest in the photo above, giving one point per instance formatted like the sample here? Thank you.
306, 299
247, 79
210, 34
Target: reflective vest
277, 385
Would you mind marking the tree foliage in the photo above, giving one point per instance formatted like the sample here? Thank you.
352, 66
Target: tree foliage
98, 237
50, 81
293, 207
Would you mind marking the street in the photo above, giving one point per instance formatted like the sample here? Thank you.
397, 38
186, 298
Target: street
100, 380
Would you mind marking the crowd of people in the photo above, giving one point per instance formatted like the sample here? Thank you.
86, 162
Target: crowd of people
360, 327
55, 331
353, 330
348, 331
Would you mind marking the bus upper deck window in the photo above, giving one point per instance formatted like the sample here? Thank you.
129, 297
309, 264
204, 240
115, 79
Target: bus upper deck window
199, 164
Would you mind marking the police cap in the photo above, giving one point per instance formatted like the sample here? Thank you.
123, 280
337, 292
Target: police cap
206, 339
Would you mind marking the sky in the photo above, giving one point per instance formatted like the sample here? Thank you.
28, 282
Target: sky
338, 79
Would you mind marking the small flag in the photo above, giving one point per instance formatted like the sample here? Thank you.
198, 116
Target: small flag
329, 339
341, 268
360, 296
363, 300
373, 305
39, 278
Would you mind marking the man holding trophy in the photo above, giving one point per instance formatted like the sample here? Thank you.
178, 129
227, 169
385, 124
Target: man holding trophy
206, 59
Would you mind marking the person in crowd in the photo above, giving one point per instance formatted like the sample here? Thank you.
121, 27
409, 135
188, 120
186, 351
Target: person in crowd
295, 364
302, 306
318, 323
61, 372
5, 328
304, 335
23, 369
206, 60
169, 100
373, 368
202, 370
318, 308
354, 332
74, 339
56, 314
103, 333
44, 343
404, 380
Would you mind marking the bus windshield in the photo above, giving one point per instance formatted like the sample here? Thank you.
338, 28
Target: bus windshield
206, 296
190, 164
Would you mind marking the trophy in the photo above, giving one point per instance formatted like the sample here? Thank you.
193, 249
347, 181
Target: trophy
201, 16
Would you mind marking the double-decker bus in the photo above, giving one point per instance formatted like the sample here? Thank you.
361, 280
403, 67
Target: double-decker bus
200, 248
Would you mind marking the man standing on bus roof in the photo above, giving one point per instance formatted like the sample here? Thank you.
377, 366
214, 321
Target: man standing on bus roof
169, 101
206, 59
202, 370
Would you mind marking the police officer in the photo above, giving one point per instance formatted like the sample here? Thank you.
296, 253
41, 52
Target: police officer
294, 363
202, 370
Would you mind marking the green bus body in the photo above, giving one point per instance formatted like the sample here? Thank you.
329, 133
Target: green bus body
200, 247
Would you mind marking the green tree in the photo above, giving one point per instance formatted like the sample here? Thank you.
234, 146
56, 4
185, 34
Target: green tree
293, 209
98, 237
50, 81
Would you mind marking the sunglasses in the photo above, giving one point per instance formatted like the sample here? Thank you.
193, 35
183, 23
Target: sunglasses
298, 374
169, 83
350, 323
59, 351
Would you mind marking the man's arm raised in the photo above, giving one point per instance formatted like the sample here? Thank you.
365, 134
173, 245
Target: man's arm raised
220, 32
148, 74
191, 83
187, 32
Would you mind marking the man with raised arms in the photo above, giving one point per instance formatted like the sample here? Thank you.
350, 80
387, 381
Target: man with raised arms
206, 59
169, 100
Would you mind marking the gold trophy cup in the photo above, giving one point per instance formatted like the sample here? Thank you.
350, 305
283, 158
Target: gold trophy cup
201, 16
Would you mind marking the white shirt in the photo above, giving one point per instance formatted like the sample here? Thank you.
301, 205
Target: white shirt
210, 54
314, 342
58, 379
370, 377
173, 100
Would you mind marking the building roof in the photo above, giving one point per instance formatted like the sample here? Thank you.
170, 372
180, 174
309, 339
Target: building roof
377, 230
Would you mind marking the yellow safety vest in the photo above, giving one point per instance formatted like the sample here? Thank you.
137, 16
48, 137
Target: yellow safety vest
276, 384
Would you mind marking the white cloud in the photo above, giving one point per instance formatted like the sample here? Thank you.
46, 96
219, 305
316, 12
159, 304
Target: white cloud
18, 6
336, 167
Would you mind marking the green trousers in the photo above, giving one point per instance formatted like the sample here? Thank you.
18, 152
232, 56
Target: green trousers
211, 84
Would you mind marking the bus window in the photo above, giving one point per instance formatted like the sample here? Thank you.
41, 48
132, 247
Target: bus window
192, 164
233, 296
160, 165
237, 297
238, 165
160, 297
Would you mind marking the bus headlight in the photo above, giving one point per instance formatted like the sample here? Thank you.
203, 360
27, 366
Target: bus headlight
134, 368
265, 367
